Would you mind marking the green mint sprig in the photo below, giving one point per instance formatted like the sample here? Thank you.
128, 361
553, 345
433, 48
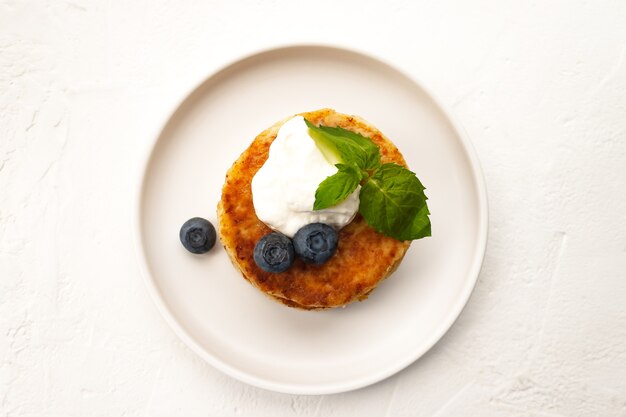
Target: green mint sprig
392, 198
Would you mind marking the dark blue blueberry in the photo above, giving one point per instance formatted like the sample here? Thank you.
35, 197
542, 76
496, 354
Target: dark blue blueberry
197, 235
274, 253
315, 243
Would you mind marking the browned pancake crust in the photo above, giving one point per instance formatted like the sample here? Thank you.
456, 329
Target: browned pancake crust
364, 257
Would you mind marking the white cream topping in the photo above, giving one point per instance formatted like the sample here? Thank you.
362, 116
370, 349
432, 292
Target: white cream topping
283, 190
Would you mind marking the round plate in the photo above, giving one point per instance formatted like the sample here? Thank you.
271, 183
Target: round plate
235, 327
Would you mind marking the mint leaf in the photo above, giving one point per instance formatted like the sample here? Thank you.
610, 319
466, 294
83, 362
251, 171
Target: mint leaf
392, 199
393, 202
336, 188
351, 147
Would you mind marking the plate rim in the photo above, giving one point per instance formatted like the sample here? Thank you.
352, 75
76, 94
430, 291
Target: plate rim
320, 388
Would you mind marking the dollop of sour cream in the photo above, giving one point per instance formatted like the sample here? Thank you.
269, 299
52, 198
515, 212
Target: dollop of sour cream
283, 190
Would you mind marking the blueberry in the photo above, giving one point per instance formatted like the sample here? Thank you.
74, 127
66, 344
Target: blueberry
197, 235
274, 252
315, 243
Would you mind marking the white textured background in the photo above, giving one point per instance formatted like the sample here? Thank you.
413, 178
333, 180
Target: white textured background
539, 86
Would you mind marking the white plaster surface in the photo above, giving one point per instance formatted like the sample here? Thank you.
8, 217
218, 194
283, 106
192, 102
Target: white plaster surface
539, 86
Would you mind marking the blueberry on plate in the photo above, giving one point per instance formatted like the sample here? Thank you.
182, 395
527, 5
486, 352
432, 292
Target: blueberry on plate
274, 253
315, 243
197, 235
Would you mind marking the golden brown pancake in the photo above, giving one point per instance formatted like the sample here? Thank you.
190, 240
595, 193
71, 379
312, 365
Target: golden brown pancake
363, 259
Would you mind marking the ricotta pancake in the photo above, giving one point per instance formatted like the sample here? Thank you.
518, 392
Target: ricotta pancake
363, 259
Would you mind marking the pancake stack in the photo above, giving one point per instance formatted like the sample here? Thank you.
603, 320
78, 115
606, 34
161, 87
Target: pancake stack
363, 259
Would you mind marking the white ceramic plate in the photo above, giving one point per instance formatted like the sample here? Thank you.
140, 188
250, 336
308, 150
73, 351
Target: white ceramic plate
238, 329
